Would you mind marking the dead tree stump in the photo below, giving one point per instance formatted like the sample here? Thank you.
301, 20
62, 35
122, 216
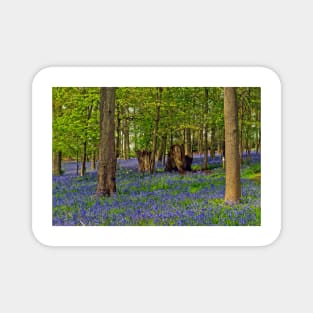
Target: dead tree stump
143, 158
177, 160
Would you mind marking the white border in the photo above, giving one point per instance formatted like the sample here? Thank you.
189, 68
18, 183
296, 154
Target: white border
162, 235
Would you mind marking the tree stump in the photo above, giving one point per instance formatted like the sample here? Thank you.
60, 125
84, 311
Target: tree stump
143, 158
177, 160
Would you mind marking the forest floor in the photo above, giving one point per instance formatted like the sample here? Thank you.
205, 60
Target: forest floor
194, 199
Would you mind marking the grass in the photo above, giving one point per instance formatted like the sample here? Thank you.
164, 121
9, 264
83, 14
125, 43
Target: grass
169, 199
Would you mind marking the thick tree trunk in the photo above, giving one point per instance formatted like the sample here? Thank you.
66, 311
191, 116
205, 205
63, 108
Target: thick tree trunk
177, 160
144, 160
56, 163
156, 127
107, 158
232, 159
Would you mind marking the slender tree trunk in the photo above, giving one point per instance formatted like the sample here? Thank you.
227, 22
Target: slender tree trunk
56, 154
258, 133
258, 149
126, 133
56, 163
212, 148
118, 131
206, 148
164, 152
248, 151
162, 148
107, 158
200, 148
77, 164
232, 159
171, 138
93, 161
156, 126
241, 133
84, 158
126, 142
188, 147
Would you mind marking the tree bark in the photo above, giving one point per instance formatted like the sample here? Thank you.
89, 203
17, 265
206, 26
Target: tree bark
162, 148
126, 133
56, 163
205, 160
107, 158
93, 161
156, 126
200, 143
177, 160
84, 158
118, 131
188, 147
232, 158
144, 160
212, 148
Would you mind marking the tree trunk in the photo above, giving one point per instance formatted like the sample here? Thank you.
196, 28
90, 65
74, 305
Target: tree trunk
93, 161
171, 137
212, 148
126, 134
126, 143
206, 148
188, 147
144, 160
56, 163
232, 159
162, 148
84, 157
258, 147
156, 126
164, 153
107, 158
200, 147
118, 131
248, 149
177, 160
77, 164
241, 133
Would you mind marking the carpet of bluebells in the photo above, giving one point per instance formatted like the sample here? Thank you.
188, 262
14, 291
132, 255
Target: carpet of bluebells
194, 199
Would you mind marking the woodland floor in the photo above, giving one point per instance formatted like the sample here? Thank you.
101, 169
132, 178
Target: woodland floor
194, 199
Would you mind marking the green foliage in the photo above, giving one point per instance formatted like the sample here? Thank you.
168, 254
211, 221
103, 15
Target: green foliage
76, 117
251, 171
